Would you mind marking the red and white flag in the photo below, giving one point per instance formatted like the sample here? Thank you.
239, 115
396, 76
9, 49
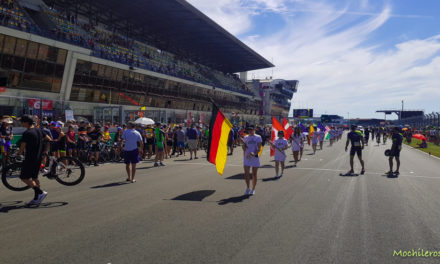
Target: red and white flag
287, 128
276, 126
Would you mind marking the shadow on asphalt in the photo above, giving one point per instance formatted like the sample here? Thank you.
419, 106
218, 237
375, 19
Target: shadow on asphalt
348, 174
145, 168
182, 160
290, 166
267, 166
271, 179
196, 196
237, 199
5, 207
239, 176
113, 184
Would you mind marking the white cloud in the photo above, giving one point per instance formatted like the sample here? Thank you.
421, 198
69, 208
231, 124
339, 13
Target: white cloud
324, 47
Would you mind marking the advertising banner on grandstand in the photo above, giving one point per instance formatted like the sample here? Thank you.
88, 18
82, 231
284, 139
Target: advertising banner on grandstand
302, 113
69, 115
35, 104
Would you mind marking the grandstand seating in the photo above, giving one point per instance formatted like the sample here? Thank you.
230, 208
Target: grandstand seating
116, 47
12, 16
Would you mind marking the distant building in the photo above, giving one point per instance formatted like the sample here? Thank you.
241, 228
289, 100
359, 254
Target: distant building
274, 97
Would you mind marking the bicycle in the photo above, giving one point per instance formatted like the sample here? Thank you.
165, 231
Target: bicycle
68, 171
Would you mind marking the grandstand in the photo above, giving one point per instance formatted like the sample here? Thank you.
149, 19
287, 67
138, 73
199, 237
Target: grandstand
91, 54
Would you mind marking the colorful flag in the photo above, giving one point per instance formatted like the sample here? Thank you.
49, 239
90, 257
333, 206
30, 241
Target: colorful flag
327, 133
219, 129
276, 126
304, 129
287, 128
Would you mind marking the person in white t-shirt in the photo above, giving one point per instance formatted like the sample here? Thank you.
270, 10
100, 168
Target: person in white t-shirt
280, 145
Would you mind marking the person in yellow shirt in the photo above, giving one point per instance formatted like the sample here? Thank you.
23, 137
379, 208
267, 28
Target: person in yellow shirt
106, 135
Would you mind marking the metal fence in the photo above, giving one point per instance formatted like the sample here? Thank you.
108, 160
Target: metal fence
427, 120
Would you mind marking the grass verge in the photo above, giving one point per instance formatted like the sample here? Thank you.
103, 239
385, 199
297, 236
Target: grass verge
432, 148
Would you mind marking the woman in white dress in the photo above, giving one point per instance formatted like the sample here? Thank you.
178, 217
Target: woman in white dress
314, 139
280, 145
251, 148
297, 141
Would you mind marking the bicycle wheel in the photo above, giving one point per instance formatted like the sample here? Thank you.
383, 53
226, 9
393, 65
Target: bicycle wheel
69, 171
11, 178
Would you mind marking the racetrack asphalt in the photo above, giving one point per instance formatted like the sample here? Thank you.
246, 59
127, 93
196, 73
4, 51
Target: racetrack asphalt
186, 213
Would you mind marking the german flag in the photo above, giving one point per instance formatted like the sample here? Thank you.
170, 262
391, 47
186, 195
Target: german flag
219, 129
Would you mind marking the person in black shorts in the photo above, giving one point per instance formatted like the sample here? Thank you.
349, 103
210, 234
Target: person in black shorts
95, 136
357, 145
395, 150
32, 145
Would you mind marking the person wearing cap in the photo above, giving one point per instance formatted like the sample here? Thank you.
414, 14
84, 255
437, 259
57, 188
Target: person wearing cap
32, 146
54, 146
397, 139
133, 147
357, 145
251, 147
149, 136
6, 137
94, 137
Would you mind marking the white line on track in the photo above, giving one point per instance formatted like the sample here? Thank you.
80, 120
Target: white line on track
319, 169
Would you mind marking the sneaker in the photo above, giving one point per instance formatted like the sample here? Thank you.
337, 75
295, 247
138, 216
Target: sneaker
161, 164
281, 175
41, 197
32, 202
252, 192
195, 158
247, 191
155, 164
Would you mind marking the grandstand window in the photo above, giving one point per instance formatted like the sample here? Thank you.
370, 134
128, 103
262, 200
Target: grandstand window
37, 82
59, 71
2, 38
32, 50
18, 63
42, 52
50, 69
41, 67
61, 58
14, 79
56, 85
20, 49
30, 65
52, 54
9, 45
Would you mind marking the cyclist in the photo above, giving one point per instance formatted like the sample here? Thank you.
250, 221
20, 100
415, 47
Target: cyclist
32, 145
62, 141
6, 137
149, 134
357, 145
118, 141
95, 137
395, 150
55, 135
170, 142
367, 136
82, 140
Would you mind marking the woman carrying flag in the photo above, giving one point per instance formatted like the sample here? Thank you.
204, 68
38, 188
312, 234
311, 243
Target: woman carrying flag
251, 148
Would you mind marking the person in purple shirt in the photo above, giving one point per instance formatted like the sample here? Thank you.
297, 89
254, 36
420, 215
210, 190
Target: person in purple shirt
192, 136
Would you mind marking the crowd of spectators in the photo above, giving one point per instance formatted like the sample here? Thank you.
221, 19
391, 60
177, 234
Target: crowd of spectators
431, 133
116, 47
12, 16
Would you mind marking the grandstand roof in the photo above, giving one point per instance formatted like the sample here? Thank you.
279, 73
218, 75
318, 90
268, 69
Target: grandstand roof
184, 30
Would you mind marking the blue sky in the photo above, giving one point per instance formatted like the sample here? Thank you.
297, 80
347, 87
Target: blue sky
353, 56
